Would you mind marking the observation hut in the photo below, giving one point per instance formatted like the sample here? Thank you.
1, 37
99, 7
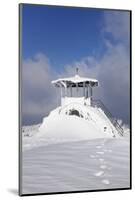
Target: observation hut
79, 116
76, 89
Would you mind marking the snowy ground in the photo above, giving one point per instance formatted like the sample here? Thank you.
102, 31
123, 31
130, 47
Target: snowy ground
74, 166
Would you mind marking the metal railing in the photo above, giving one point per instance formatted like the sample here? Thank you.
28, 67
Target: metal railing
100, 104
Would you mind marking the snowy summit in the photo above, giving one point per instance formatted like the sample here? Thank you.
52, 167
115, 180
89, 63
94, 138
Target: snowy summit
79, 116
79, 146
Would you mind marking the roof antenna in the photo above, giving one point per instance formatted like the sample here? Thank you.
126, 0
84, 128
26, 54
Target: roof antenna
77, 70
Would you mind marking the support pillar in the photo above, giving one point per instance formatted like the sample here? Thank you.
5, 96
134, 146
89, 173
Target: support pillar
87, 92
71, 90
61, 94
65, 91
83, 89
91, 95
77, 88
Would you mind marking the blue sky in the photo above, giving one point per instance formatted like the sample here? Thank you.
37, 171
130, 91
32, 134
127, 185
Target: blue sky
57, 39
63, 34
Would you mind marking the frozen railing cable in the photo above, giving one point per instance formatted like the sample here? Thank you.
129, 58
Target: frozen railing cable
100, 104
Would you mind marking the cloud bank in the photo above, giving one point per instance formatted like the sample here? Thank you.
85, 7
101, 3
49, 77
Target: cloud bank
112, 70
37, 91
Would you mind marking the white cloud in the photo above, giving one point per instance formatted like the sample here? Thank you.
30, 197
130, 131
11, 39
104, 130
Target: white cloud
36, 71
37, 92
112, 71
117, 23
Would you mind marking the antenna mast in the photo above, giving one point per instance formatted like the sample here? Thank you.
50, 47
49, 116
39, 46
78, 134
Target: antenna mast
77, 69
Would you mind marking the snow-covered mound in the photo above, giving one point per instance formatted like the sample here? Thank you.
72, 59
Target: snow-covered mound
75, 122
63, 128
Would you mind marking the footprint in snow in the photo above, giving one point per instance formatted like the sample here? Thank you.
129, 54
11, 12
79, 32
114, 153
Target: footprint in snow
101, 159
109, 168
102, 144
106, 181
92, 156
98, 147
99, 173
100, 152
108, 150
103, 166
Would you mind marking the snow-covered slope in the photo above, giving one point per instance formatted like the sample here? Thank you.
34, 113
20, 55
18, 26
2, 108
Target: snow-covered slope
69, 153
29, 131
74, 166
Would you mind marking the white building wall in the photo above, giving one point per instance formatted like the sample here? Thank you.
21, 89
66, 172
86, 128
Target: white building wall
80, 100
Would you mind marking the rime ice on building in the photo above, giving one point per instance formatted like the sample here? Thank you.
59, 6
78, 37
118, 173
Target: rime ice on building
76, 89
79, 113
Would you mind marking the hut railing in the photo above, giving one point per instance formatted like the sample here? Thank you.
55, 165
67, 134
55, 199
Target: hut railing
98, 103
